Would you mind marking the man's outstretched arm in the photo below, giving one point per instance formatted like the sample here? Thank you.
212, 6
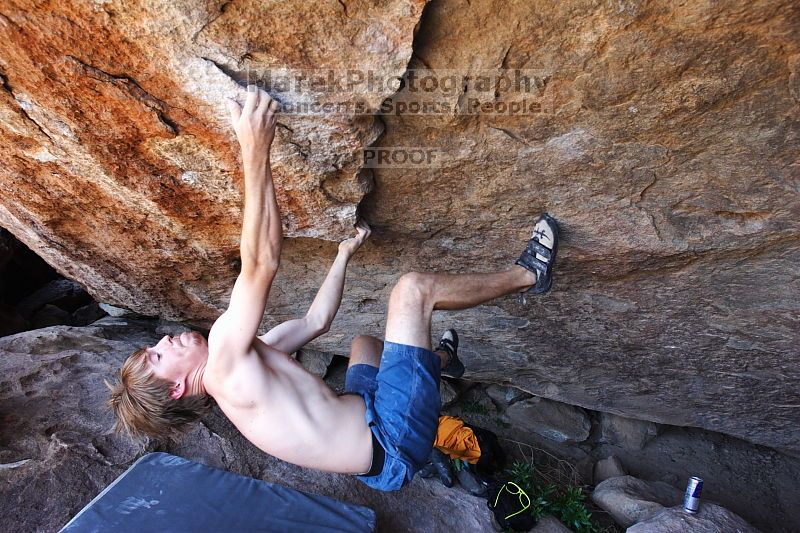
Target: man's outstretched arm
260, 246
292, 335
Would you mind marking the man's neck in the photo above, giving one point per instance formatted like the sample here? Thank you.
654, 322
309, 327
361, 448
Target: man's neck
196, 386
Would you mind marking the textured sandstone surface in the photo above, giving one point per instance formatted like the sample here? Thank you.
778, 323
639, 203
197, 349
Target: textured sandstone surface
57, 451
120, 161
710, 519
667, 149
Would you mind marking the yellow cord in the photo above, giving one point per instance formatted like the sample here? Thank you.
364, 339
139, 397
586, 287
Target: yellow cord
519, 492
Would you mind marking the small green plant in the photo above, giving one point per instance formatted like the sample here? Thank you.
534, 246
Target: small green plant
522, 474
572, 512
567, 504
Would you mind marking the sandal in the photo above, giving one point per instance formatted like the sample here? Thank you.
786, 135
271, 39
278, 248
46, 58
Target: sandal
542, 265
449, 344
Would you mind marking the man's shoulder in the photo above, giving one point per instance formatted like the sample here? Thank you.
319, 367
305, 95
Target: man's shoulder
232, 381
227, 353
225, 340
218, 333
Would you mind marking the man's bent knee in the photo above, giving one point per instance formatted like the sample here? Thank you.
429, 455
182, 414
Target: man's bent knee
413, 287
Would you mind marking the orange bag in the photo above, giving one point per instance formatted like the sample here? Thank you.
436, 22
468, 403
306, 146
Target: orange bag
456, 440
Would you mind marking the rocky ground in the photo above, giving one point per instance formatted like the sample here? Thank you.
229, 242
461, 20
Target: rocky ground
57, 450
665, 144
755, 482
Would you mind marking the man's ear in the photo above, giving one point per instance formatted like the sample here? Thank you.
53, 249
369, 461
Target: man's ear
176, 391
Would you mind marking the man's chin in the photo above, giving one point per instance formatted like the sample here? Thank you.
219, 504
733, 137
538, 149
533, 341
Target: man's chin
191, 337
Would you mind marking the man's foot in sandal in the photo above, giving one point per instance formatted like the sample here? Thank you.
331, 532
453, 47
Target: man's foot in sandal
449, 345
540, 253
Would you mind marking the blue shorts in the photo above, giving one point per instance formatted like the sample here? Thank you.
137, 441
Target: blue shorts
403, 405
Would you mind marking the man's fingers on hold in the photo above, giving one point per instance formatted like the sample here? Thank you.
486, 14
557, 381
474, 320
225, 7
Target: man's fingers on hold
252, 99
235, 109
272, 110
264, 100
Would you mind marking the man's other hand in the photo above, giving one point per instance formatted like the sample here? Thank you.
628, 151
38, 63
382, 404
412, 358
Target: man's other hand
254, 123
351, 245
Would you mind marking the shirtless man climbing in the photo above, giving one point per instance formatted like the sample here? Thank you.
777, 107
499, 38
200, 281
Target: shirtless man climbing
383, 428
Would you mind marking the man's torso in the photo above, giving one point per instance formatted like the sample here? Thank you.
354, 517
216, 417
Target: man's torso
290, 413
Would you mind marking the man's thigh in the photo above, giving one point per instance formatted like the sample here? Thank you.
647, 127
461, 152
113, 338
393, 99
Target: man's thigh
366, 350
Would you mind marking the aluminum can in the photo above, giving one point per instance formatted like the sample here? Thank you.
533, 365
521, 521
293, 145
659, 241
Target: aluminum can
691, 500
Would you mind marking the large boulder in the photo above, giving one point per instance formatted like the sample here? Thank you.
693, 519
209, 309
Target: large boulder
118, 152
711, 518
630, 500
665, 145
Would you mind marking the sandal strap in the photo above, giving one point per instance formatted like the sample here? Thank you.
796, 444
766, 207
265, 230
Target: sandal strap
450, 348
535, 246
448, 345
530, 262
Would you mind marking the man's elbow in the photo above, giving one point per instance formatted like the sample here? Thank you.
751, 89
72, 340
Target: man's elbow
318, 325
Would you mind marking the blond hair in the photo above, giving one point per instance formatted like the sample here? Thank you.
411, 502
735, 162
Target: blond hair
143, 407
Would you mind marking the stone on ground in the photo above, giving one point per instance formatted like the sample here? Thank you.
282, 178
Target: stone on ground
448, 393
118, 312
50, 315
608, 468
630, 500
83, 316
711, 518
503, 396
63, 293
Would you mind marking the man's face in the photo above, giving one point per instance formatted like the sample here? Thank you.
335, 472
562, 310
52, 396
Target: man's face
174, 358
